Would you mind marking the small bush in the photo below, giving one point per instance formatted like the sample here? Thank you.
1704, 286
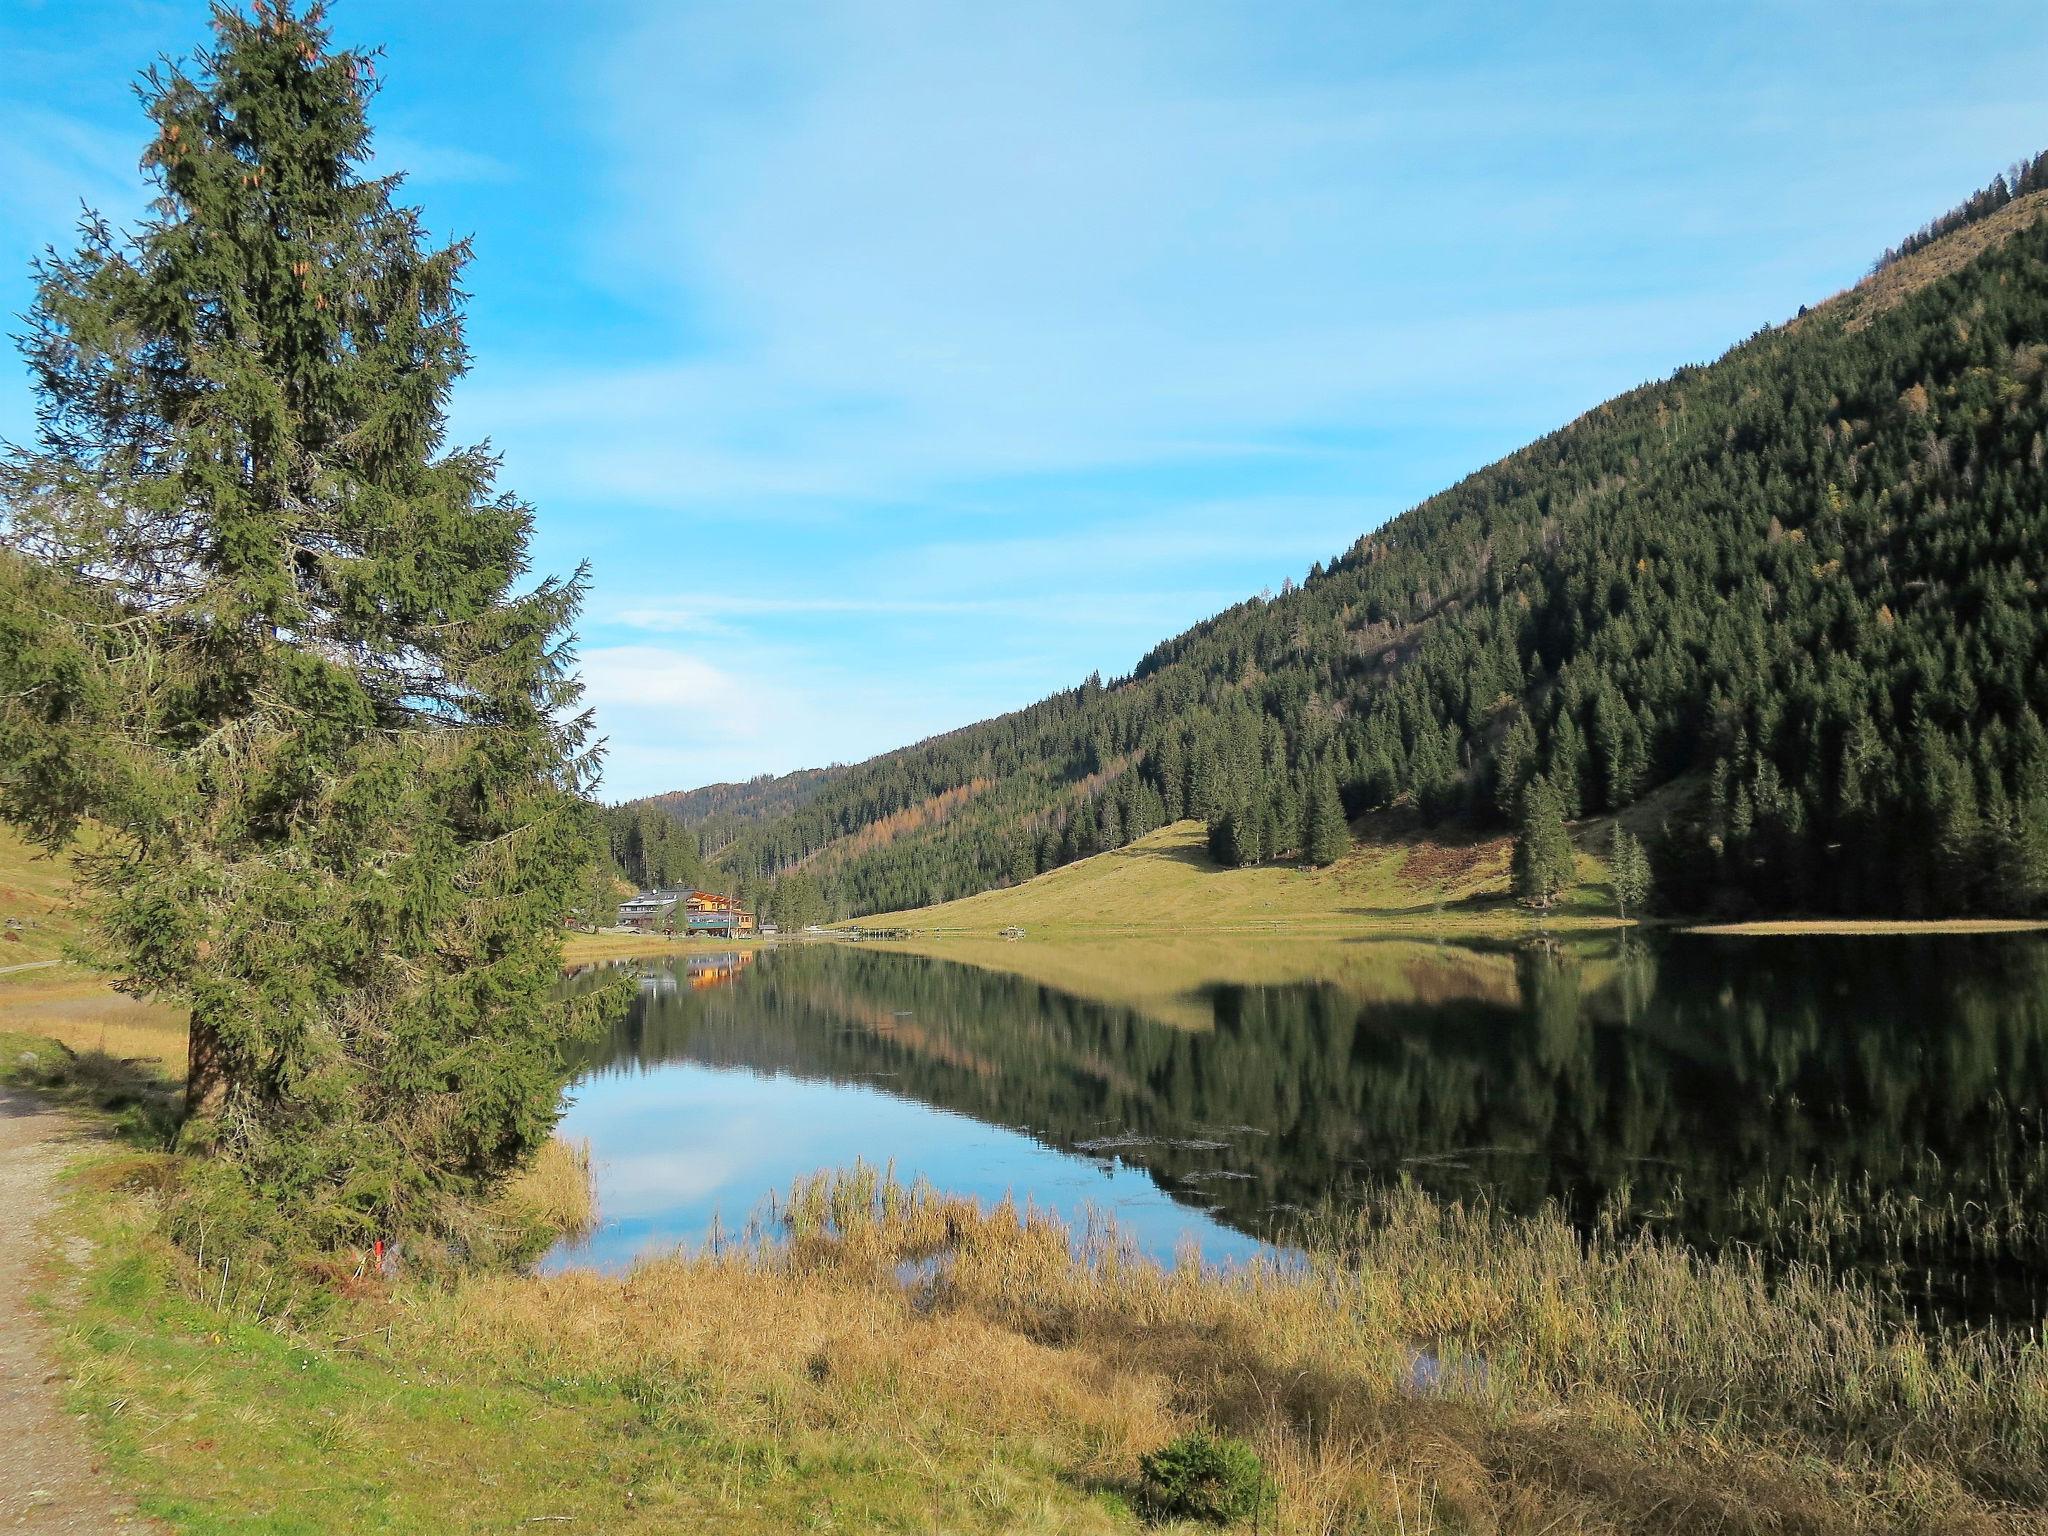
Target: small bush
1200, 1476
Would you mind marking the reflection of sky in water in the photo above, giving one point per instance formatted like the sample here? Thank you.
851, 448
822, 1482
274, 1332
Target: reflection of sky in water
683, 1144
1691, 1080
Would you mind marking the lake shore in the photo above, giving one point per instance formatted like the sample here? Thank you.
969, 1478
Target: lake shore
1441, 1366
1436, 1368
590, 948
1877, 927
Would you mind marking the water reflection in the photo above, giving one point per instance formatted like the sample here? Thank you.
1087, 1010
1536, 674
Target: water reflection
1873, 1102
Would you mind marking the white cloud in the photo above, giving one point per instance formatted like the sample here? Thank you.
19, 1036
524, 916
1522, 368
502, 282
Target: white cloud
646, 677
673, 718
901, 248
428, 164
53, 165
697, 610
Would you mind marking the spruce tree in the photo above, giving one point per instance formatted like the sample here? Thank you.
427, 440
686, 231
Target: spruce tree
1513, 761
1629, 871
798, 902
1543, 861
272, 644
1326, 837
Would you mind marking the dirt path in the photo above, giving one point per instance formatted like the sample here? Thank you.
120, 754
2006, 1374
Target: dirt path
50, 1482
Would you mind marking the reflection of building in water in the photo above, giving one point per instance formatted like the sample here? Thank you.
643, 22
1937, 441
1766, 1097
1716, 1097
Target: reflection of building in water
707, 970
694, 912
716, 969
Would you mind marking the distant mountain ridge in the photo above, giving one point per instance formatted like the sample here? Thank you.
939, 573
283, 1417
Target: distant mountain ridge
757, 799
1803, 581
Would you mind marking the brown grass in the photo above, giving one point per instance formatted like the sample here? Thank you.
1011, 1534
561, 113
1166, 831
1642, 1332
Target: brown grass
1621, 1385
77, 1007
1894, 284
558, 1189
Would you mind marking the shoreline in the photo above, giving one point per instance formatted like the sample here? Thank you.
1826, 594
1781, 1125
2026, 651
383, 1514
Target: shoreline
1866, 927
587, 949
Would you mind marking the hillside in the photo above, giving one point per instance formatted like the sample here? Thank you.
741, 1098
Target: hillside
41, 996
720, 810
1167, 882
1796, 591
36, 920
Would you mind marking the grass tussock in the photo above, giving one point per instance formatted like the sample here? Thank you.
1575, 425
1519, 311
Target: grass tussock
558, 1189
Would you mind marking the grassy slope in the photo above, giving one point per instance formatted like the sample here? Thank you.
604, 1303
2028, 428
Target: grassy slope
68, 1002
34, 902
1166, 882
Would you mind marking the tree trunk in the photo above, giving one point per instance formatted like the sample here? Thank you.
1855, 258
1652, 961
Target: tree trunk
205, 1081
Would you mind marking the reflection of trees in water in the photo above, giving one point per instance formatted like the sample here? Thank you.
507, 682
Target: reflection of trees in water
1721, 1067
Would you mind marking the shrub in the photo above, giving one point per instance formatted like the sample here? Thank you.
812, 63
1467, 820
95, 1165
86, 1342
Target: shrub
1200, 1476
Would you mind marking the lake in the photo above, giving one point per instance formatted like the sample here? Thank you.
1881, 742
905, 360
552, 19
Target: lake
1873, 1103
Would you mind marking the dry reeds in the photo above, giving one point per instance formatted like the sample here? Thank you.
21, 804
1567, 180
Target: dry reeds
558, 1189
1429, 1367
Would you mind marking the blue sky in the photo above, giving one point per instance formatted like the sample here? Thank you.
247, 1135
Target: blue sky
895, 364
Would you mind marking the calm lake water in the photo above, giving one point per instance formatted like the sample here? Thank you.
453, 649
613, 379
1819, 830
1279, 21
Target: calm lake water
1872, 1102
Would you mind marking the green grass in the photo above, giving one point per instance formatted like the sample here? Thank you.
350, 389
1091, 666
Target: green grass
35, 912
1165, 881
377, 1415
64, 1001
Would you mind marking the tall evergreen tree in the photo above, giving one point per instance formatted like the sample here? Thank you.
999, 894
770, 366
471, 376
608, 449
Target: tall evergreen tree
797, 902
1543, 863
1326, 835
1513, 762
334, 752
1629, 870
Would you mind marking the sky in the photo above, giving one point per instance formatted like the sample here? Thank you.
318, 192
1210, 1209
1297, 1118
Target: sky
895, 364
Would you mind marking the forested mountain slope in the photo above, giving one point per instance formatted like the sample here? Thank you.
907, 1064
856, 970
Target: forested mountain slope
758, 799
1803, 582
666, 840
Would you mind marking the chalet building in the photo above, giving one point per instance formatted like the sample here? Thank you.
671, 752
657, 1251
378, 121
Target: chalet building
698, 913
709, 913
649, 912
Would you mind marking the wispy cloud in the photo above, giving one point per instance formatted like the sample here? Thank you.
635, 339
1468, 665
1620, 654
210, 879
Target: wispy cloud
713, 613
675, 716
54, 164
897, 362
427, 164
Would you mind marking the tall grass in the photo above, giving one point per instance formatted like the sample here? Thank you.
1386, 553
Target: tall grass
1429, 1367
1968, 1240
558, 1189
